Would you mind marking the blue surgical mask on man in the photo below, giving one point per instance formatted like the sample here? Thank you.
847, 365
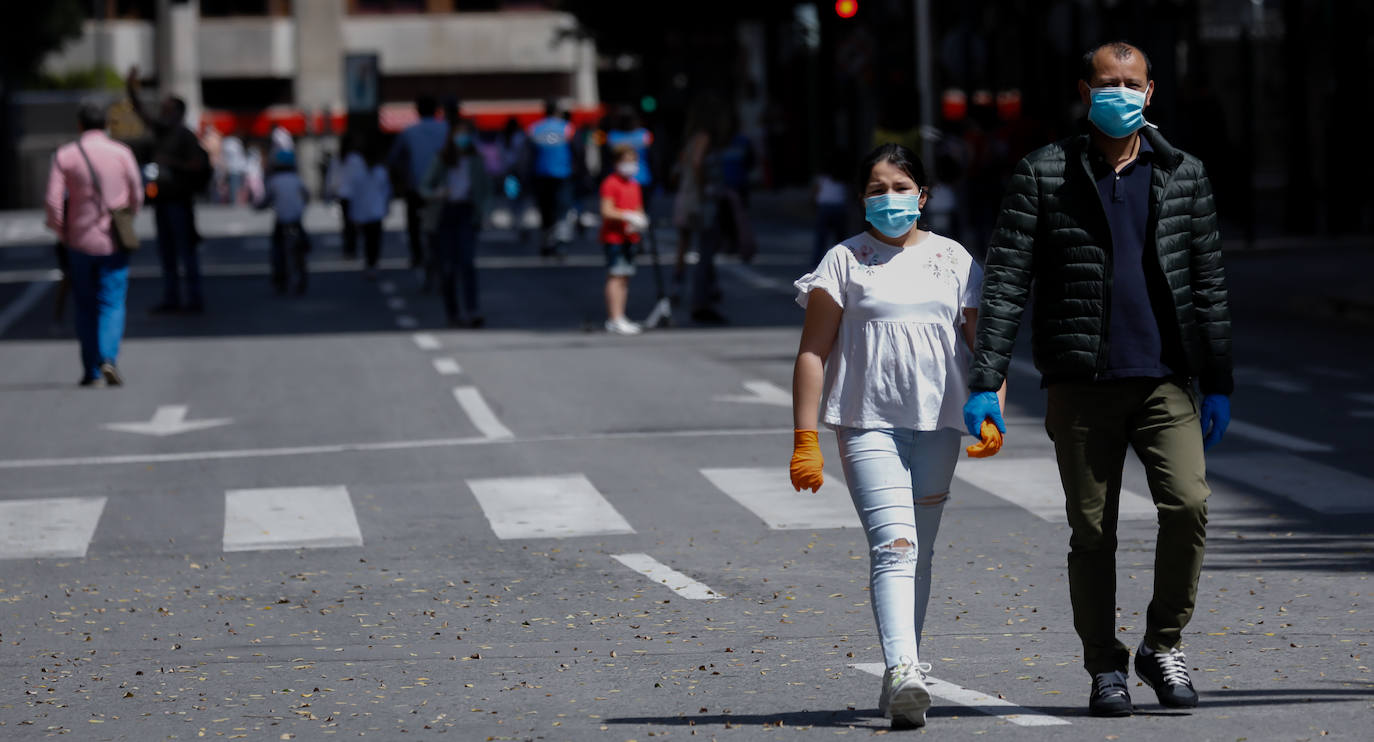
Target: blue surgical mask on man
893, 213
1117, 112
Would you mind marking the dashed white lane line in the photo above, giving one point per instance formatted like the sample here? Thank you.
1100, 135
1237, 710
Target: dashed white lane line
289, 518
23, 303
981, 702
447, 367
667, 576
387, 287
425, 341
546, 507
396, 303
54, 527
1362, 397
767, 493
480, 413
406, 322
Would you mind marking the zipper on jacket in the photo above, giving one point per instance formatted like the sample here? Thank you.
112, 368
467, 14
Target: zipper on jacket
1100, 362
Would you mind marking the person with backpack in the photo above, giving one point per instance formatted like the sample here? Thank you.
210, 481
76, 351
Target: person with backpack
90, 180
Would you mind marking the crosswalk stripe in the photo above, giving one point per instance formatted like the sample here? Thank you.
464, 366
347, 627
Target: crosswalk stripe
425, 341
289, 518
977, 701
765, 492
479, 412
1312, 485
667, 576
1275, 438
1034, 484
546, 507
54, 527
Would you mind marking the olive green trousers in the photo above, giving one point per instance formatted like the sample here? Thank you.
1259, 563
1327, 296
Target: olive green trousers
1092, 425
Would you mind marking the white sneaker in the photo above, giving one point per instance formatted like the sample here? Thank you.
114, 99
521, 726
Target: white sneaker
904, 697
622, 326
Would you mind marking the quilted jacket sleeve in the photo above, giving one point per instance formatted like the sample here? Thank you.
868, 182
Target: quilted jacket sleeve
1006, 279
1209, 290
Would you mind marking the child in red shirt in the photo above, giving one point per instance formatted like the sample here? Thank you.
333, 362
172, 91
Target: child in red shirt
622, 219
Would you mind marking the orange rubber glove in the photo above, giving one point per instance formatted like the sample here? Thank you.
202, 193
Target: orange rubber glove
807, 465
989, 445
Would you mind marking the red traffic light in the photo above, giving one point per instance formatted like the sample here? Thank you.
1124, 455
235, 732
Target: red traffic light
846, 8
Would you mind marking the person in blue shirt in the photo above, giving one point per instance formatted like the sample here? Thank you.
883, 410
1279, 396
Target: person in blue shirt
628, 132
551, 139
410, 158
285, 193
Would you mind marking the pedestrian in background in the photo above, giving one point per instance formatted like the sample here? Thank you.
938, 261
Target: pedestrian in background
457, 189
183, 170
89, 180
1116, 231
881, 363
235, 167
830, 196
369, 189
628, 131
343, 171
285, 193
687, 202
622, 221
515, 177
734, 229
551, 137
410, 158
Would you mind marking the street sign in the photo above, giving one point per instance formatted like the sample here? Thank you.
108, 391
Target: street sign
361, 90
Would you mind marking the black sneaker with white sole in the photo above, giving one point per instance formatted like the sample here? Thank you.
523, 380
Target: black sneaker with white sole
1167, 674
1110, 696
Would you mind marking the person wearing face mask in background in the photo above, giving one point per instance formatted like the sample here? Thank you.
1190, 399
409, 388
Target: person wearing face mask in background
456, 189
622, 220
889, 324
1116, 231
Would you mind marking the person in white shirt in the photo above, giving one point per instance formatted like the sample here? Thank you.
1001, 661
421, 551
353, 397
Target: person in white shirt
235, 167
881, 362
285, 194
369, 191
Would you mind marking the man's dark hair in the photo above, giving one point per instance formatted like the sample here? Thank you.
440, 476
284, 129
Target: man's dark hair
90, 115
1119, 49
426, 105
550, 107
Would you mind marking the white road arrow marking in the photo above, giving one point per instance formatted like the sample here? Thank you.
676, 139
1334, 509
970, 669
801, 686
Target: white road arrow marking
760, 392
169, 420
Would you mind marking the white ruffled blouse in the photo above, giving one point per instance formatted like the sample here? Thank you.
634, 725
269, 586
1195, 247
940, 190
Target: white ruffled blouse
898, 360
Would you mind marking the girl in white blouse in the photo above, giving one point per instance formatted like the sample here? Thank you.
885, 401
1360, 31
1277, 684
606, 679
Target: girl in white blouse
881, 354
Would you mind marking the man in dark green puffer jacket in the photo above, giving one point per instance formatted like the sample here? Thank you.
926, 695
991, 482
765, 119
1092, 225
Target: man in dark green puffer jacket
1114, 232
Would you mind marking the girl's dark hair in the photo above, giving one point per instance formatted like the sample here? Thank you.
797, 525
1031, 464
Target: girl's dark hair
900, 157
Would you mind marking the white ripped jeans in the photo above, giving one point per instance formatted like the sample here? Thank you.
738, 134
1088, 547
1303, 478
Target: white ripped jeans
899, 481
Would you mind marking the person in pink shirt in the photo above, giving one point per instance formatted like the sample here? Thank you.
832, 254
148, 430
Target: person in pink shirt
78, 210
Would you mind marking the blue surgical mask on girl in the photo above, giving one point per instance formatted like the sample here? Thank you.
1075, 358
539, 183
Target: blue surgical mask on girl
1117, 112
462, 141
893, 213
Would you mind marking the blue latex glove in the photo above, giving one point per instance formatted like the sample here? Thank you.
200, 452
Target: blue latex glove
1216, 416
983, 406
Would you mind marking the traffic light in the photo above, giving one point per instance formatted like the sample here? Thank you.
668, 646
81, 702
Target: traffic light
846, 8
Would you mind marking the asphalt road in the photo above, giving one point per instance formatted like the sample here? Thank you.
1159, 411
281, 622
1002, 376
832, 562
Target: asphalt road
384, 528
